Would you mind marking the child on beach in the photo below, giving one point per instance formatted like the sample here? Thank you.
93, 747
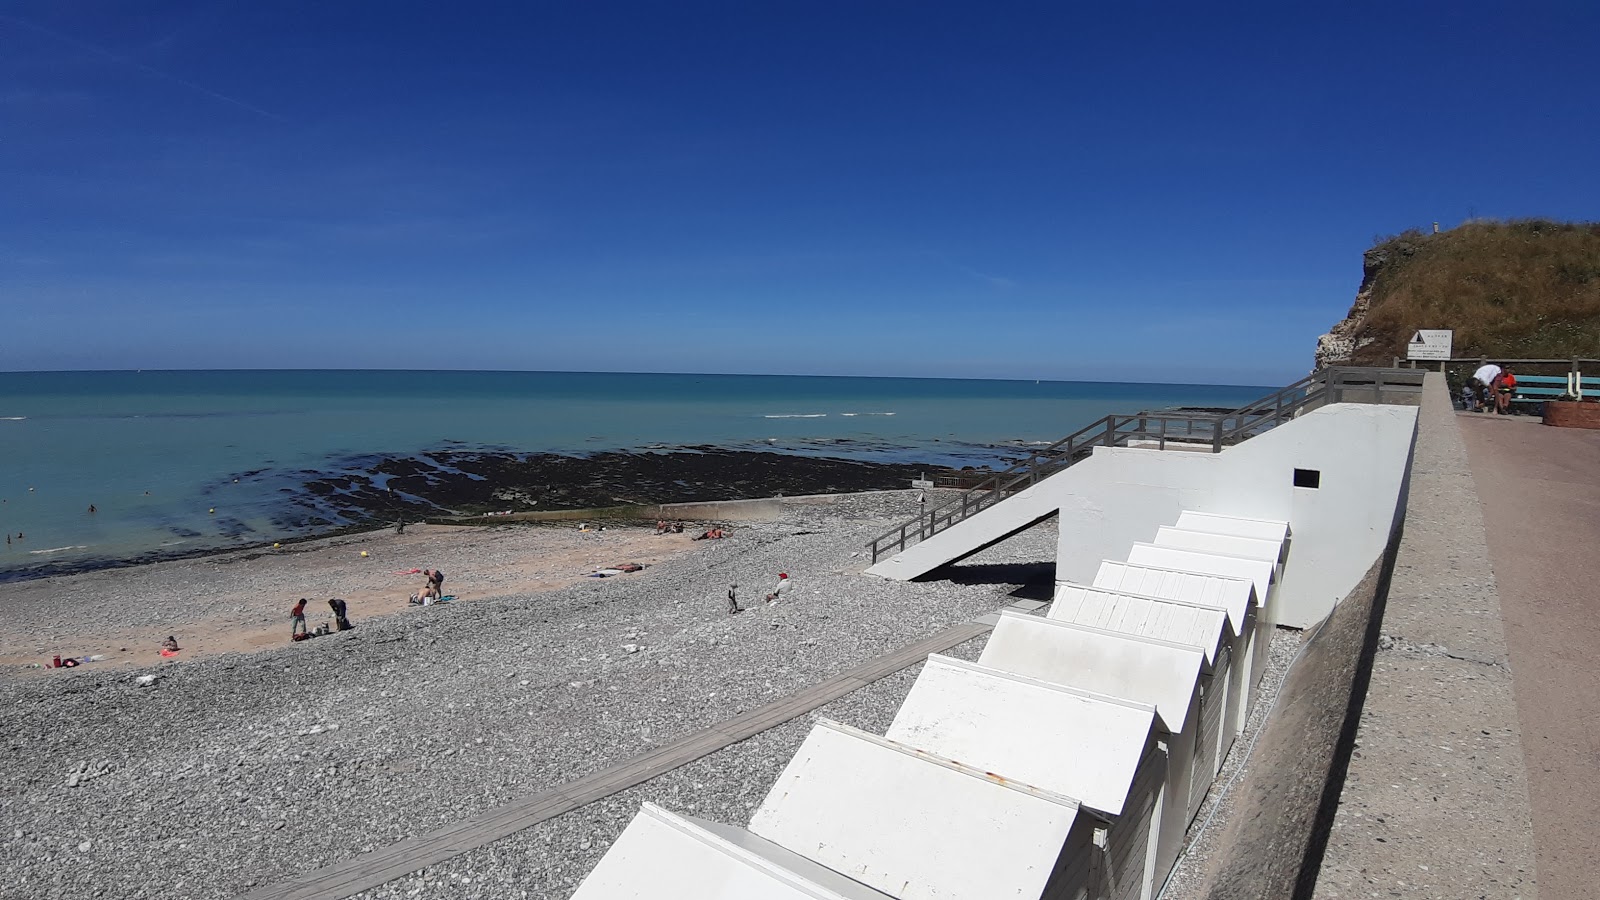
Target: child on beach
297, 619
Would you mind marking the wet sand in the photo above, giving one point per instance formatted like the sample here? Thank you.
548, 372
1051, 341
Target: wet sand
240, 601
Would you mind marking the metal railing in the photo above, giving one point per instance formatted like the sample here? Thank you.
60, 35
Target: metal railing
1194, 431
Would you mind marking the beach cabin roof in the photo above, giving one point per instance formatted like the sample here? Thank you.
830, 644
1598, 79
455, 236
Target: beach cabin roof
1070, 741
1202, 625
1216, 523
671, 857
1144, 670
1258, 571
1226, 544
1232, 594
913, 824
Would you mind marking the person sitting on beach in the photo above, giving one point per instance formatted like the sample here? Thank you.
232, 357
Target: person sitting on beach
661, 526
711, 534
677, 528
341, 620
297, 619
782, 588
171, 643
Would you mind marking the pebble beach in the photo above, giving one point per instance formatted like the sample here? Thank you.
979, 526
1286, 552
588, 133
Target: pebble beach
245, 763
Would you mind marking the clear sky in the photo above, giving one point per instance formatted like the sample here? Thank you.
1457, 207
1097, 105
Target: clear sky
1111, 191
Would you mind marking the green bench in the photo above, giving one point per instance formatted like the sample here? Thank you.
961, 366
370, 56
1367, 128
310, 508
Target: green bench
1533, 389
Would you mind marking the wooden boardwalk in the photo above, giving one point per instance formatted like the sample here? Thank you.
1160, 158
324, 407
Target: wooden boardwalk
385, 864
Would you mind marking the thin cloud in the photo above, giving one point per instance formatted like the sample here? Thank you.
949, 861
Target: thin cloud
996, 280
151, 70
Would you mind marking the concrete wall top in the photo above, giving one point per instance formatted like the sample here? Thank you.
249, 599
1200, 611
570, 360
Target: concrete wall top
1146, 670
1265, 529
1225, 544
670, 857
1062, 740
1258, 571
1235, 595
1201, 625
913, 824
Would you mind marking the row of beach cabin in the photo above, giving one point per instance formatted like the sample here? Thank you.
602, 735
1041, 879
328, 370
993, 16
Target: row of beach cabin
1067, 762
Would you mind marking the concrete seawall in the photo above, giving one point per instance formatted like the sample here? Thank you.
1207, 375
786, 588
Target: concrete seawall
1393, 764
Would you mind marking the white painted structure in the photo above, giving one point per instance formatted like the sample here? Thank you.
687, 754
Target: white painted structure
1236, 596
1359, 453
1225, 544
1205, 627
916, 825
1159, 673
1101, 750
1264, 529
669, 857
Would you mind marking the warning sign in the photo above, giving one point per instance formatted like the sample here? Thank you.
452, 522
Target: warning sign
1430, 343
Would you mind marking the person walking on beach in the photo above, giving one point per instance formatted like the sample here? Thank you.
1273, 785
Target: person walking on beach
297, 619
782, 588
733, 599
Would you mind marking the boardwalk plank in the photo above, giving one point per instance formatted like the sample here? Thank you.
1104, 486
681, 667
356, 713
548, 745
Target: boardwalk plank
385, 864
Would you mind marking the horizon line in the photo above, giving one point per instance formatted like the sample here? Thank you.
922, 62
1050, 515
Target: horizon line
134, 371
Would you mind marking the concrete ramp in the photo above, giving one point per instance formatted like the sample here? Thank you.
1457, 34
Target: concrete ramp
916, 825
966, 537
664, 856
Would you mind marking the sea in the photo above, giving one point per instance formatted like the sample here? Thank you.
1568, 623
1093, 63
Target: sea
178, 462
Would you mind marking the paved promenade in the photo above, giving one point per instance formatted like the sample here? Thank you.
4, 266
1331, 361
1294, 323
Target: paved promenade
1435, 803
1540, 488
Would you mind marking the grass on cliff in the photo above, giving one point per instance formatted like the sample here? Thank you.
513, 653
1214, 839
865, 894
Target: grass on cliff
1524, 289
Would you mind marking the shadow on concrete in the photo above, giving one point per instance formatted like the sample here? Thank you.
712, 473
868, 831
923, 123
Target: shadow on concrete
1035, 580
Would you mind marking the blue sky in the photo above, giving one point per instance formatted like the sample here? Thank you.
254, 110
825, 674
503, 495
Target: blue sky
1110, 192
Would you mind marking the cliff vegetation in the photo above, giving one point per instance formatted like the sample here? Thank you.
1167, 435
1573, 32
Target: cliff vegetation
1522, 289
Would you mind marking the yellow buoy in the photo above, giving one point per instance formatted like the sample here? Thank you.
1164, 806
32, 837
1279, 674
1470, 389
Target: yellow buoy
363, 553
276, 545
212, 510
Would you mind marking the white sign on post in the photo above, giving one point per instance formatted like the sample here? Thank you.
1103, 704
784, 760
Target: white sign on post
921, 483
1430, 343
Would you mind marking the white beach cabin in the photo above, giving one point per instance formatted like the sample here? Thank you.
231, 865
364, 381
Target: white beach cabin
1202, 626
1235, 596
1260, 572
670, 857
917, 826
1102, 750
1145, 670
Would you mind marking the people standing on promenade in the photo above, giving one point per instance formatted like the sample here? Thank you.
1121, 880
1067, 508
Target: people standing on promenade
733, 599
1482, 382
297, 619
782, 588
1505, 387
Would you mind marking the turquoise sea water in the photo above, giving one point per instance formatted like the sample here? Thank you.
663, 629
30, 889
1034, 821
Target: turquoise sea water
155, 451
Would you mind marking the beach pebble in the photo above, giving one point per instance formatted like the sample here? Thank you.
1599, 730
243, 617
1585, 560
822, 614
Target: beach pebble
218, 758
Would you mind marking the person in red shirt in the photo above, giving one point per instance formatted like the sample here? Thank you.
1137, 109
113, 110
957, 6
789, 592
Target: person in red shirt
1505, 387
297, 619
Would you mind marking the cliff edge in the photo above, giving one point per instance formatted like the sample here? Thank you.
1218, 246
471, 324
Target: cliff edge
1524, 289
